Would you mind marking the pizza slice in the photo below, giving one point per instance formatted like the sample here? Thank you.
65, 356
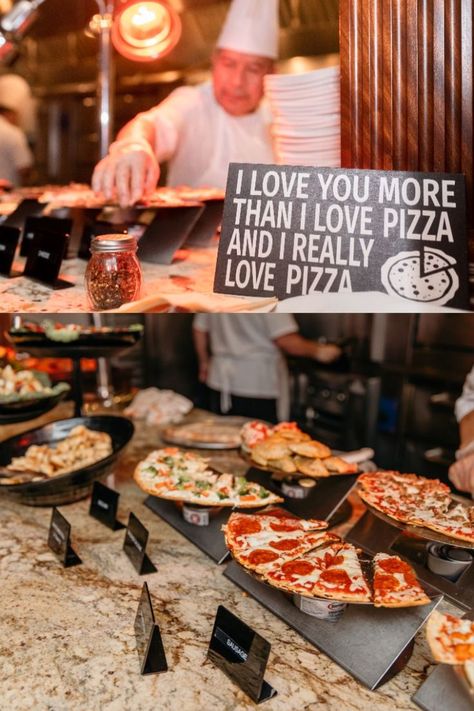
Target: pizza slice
242, 530
300, 574
330, 571
395, 583
451, 638
279, 550
343, 578
457, 522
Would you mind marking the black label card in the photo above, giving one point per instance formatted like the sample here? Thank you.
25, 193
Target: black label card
35, 225
59, 540
25, 209
104, 505
9, 237
293, 231
148, 637
45, 257
166, 232
241, 654
134, 545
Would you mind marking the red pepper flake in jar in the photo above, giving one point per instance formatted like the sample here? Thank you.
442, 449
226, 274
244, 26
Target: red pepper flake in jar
113, 275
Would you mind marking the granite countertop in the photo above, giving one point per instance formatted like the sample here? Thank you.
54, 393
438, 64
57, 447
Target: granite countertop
66, 635
186, 283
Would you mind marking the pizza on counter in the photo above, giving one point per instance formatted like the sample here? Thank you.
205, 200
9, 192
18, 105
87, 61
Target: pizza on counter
451, 638
286, 448
418, 501
299, 556
185, 477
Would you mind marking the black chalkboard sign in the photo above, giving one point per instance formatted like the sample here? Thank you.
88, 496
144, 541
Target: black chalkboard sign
292, 231
134, 545
241, 653
9, 237
39, 225
45, 256
59, 540
151, 652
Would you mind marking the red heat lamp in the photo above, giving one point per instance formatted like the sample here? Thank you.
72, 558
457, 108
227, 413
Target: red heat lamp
145, 30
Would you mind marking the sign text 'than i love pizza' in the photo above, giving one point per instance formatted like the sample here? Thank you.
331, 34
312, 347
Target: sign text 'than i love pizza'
291, 231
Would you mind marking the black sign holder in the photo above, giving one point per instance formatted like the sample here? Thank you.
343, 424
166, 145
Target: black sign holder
206, 227
166, 233
376, 535
9, 238
371, 644
41, 225
242, 654
444, 690
322, 501
104, 505
59, 540
148, 637
134, 545
45, 256
209, 539
26, 208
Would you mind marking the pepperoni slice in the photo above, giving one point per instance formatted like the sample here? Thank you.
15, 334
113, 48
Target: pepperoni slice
287, 544
284, 527
393, 565
260, 556
244, 526
336, 577
385, 583
297, 567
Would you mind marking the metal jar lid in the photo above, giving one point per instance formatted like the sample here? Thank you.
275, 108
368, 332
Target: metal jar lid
114, 243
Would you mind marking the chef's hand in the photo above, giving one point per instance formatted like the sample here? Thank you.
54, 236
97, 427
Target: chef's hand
129, 172
461, 473
326, 352
203, 371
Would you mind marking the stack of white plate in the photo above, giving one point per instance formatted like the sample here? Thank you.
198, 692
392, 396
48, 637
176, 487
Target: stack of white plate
306, 112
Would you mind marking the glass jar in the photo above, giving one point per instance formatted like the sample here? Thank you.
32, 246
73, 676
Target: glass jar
113, 275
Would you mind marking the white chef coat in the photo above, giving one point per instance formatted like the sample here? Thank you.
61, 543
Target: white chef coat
199, 138
15, 154
245, 361
465, 405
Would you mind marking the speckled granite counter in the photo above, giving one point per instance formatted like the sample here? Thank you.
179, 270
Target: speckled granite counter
67, 640
187, 283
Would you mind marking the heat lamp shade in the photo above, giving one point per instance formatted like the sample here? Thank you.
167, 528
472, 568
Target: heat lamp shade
145, 30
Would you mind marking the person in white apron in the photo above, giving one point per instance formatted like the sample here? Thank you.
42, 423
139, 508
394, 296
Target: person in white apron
461, 472
242, 361
200, 130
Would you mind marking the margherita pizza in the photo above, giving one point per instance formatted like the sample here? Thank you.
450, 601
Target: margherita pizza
418, 501
293, 555
285, 448
451, 638
185, 477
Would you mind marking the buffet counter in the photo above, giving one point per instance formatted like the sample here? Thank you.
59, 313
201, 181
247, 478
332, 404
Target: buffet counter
67, 638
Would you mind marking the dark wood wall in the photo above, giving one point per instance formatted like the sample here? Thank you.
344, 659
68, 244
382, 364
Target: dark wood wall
407, 87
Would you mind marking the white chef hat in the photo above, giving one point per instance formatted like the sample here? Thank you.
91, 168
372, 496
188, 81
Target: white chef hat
251, 27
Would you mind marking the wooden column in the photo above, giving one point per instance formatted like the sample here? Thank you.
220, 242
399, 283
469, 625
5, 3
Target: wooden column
407, 87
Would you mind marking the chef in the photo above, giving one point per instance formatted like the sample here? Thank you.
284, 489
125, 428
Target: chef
462, 472
242, 361
200, 130
16, 159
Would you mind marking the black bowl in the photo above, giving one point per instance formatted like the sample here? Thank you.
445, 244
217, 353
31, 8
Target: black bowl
22, 410
66, 488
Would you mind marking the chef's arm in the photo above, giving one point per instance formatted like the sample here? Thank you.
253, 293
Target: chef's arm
461, 472
201, 344
293, 344
141, 128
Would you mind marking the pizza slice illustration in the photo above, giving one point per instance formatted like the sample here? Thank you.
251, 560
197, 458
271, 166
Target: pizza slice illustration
428, 276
